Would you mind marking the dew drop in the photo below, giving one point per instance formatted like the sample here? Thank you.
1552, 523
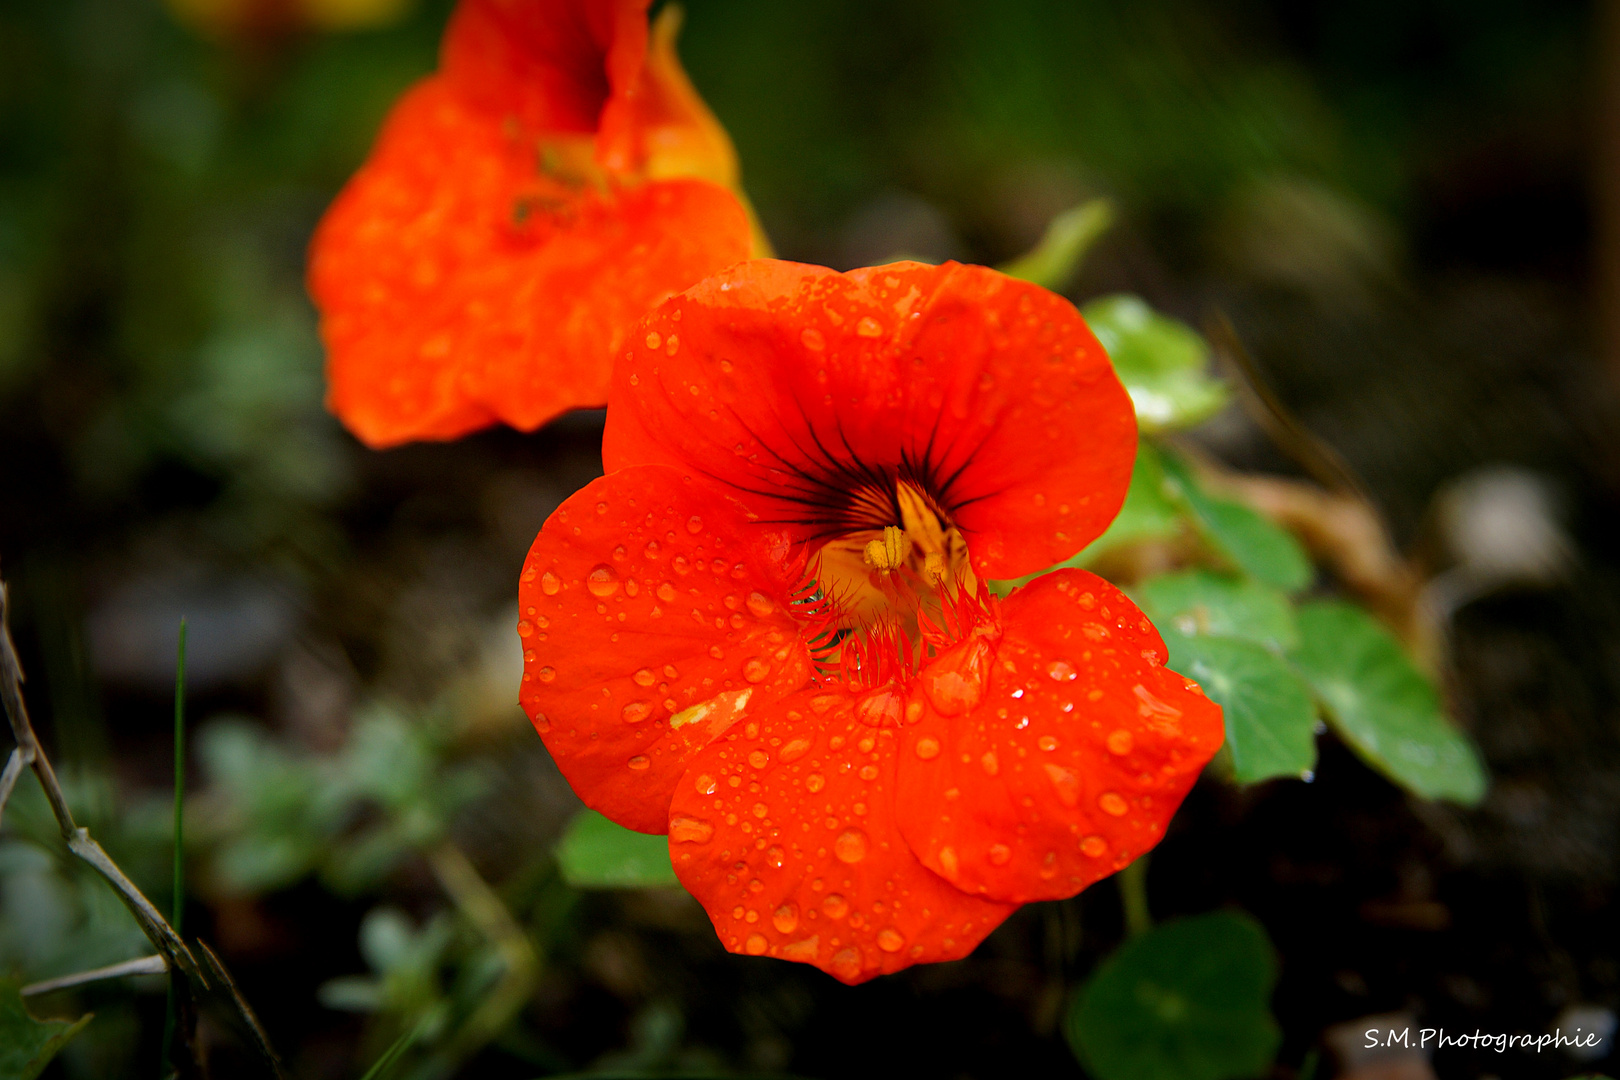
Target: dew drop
525, 628
786, 919
636, 712
760, 809
889, 940
651, 550
653, 340
1113, 803
1000, 854
756, 669
550, 583
644, 677
640, 763
869, 772
694, 524
850, 847
756, 944
846, 964
813, 340
947, 862
775, 857
1061, 671
1094, 847
689, 830
794, 750
1120, 741
1047, 743
760, 604
666, 592
759, 759
835, 906
869, 327
602, 582
716, 652
705, 784
814, 783
928, 748
989, 763
546, 674
542, 723
681, 566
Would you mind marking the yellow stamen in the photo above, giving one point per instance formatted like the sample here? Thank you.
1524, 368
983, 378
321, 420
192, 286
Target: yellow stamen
888, 554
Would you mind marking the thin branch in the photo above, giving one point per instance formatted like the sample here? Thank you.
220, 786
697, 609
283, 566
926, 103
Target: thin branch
15, 764
144, 965
261, 1040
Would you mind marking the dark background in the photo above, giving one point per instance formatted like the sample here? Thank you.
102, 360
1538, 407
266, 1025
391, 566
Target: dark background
1400, 206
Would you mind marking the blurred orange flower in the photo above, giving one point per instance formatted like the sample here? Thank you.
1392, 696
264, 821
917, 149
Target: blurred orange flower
522, 207
765, 630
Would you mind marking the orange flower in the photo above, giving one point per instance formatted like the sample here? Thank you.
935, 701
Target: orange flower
522, 207
765, 630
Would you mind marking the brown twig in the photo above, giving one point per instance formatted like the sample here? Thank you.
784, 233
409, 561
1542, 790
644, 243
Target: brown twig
176, 956
261, 1040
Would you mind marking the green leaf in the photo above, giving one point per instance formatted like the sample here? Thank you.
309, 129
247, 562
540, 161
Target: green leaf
597, 854
1383, 706
1198, 602
1054, 261
1189, 1000
28, 1045
1270, 718
1161, 361
1247, 540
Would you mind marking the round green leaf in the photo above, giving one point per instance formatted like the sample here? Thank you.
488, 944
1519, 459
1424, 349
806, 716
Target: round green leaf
1246, 539
1198, 602
597, 854
1161, 361
1383, 706
1270, 718
28, 1045
1189, 1000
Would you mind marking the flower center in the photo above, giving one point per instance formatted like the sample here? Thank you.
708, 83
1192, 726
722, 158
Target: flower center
886, 573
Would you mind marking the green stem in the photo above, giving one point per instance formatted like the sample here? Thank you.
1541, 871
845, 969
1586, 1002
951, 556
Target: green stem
1133, 895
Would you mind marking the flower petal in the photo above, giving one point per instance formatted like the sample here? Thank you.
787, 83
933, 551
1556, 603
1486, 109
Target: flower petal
453, 297
798, 384
651, 619
1072, 760
783, 829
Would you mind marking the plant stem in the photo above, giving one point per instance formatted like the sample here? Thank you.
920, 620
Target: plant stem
178, 904
1133, 895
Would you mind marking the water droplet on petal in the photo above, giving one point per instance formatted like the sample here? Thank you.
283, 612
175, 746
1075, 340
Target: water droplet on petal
835, 906
927, 748
694, 524
666, 592
989, 763
1000, 854
889, 940
1047, 743
1120, 741
1112, 803
602, 582
947, 862
1061, 671
814, 783
689, 830
653, 340
636, 712
869, 327
795, 750
1094, 847
846, 964
786, 919
640, 762
705, 784
756, 669
850, 847
756, 944
760, 809
550, 583
759, 759
644, 677
525, 628
760, 604
813, 340
803, 951
542, 723
651, 550
869, 772
546, 674
775, 857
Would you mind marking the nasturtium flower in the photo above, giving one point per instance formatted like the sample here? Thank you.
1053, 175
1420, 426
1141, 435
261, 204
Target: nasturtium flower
766, 630
521, 208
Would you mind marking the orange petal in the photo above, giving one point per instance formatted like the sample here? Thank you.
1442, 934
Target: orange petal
784, 830
800, 384
453, 296
653, 615
1072, 761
